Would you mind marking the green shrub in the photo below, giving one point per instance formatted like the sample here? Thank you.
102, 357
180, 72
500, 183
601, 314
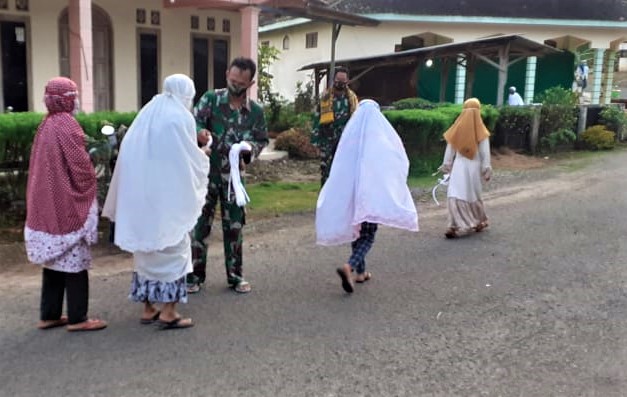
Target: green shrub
557, 96
512, 119
598, 137
558, 138
615, 119
415, 103
558, 118
297, 144
422, 130
17, 131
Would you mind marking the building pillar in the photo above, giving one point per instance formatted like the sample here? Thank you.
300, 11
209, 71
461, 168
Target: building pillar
81, 51
530, 80
249, 32
597, 76
608, 76
460, 81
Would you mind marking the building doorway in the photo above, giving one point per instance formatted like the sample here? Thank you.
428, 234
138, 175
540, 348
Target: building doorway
14, 67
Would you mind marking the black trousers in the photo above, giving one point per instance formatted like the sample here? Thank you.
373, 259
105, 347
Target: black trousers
54, 285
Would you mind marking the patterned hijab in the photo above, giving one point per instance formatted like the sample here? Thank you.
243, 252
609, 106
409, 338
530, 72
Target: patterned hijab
61, 181
468, 130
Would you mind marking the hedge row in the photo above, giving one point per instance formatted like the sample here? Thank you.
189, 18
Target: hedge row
18, 129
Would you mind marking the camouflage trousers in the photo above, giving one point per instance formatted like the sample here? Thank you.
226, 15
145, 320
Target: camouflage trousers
326, 159
233, 219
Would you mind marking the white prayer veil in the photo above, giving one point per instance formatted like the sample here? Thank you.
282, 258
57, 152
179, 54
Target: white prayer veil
160, 180
367, 181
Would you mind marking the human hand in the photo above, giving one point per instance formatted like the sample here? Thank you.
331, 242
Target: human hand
487, 174
203, 136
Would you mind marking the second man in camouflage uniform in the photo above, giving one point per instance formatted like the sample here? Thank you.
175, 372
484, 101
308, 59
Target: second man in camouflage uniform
337, 104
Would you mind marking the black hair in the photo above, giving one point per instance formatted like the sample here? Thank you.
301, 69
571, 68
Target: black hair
341, 69
245, 64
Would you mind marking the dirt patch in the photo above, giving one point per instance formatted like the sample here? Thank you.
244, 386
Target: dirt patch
286, 170
508, 159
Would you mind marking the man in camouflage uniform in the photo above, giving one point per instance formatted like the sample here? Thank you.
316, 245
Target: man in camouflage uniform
337, 104
230, 117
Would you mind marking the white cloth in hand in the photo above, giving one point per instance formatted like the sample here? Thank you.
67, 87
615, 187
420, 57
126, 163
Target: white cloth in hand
235, 180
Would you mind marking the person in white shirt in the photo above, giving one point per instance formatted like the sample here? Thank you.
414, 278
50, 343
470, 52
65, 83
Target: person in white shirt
514, 98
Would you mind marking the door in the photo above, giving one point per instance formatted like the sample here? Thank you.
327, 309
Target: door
200, 67
14, 67
148, 66
210, 57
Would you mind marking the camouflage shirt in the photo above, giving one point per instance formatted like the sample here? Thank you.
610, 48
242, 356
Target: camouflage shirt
229, 126
328, 135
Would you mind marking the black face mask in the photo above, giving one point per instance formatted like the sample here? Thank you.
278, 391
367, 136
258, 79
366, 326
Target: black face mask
339, 85
235, 90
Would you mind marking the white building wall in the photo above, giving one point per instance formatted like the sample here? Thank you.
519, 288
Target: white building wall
357, 42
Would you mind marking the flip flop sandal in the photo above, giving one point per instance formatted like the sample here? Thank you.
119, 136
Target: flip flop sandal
53, 323
366, 276
193, 288
89, 325
151, 320
451, 233
346, 281
243, 287
175, 324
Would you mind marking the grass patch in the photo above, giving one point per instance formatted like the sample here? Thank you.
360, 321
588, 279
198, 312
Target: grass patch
269, 199
423, 181
272, 199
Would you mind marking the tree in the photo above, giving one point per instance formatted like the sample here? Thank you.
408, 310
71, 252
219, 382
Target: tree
266, 56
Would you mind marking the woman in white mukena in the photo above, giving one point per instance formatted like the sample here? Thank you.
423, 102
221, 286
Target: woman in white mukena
360, 194
156, 195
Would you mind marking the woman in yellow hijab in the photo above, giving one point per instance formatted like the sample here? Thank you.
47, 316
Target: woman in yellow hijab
467, 159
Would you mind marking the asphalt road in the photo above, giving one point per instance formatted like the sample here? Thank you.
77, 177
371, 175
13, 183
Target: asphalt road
535, 306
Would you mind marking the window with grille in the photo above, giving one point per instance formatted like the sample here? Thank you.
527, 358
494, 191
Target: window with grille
311, 40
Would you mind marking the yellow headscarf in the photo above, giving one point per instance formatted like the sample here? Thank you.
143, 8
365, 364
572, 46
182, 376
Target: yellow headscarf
468, 130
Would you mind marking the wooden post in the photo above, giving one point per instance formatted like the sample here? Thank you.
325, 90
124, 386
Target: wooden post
535, 129
583, 119
470, 75
444, 72
503, 66
334, 35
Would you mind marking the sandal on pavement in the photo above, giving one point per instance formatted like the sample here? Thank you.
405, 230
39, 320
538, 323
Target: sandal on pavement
363, 277
150, 320
450, 233
479, 228
47, 324
242, 287
193, 288
177, 323
89, 325
347, 283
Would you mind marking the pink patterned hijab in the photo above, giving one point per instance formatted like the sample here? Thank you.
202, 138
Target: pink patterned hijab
61, 181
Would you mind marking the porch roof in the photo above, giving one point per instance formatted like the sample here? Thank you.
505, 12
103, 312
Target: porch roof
488, 47
318, 10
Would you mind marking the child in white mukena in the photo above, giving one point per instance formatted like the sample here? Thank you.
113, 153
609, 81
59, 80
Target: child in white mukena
367, 187
467, 159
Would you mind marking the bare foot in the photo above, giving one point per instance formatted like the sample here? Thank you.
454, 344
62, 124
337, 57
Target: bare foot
345, 274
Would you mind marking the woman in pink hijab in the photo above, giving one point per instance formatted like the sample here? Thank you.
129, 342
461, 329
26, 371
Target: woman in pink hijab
62, 211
